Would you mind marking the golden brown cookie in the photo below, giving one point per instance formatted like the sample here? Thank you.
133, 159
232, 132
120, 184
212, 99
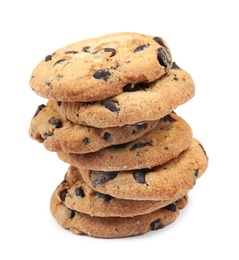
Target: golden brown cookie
167, 140
139, 102
164, 182
60, 135
77, 195
98, 68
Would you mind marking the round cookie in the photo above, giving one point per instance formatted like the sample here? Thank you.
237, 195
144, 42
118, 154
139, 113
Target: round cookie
111, 227
61, 135
98, 68
77, 195
137, 103
167, 140
164, 182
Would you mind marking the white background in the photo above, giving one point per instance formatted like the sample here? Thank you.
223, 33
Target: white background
203, 38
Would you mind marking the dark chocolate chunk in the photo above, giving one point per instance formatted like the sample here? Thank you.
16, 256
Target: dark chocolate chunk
139, 175
71, 52
59, 103
86, 140
102, 74
39, 109
140, 145
86, 49
80, 192
107, 137
56, 122
175, 66
171, 207
159, 41
72, 213
164, 58
196, 173
135, 87
141, 47
204, 151
111, 105
63, 195
48, 84
47, 135
167, 118
139, 128
59, 62
119, 146
111, 50
155, 225
103, 196
48, 57
99, 177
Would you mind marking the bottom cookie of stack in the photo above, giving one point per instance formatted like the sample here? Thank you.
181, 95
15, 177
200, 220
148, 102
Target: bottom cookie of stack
106, 226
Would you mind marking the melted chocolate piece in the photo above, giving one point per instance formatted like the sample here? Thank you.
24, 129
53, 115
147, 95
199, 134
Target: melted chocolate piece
48, 57
204, 151
59, 62
135, 87
164, 58
139, 176
159, 41
139, 128
63, 194
56, 122
71, 52
39, 109
196, 173
107, 137
102, 74
167, 118
99, 177
140, 145
86, 140
155, 225
59, 103
171, 207
80, 192
175, 66
141, 47
111, 105
119, 146
47, 135
105, 197
72, 213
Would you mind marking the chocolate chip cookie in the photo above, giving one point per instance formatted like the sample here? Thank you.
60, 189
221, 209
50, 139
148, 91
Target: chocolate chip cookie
111, 227
60, 135
77, 195
99, 68
173, 178
138, 102
167, 140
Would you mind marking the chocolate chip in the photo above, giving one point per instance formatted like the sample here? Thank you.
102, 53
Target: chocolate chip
171, 207
86, 49
86, 140
141, 47
107, 137
155, 225
140, 145
111, 50
139, 176
71, 52
111, 105
160, 41
105, 197
102, 74
39, 109
175, 66
59, 103
49, 85
72, 213
164, 58
63, 195
196, 173
48, 57
167, 118
56, 122
59, 62
204, 151
139, 128
47, 135
135, 87
99, 177
80, 192
119, 146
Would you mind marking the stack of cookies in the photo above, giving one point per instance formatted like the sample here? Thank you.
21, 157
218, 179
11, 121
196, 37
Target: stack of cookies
110, 114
